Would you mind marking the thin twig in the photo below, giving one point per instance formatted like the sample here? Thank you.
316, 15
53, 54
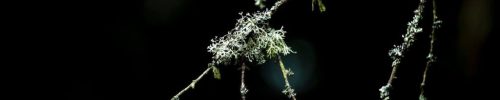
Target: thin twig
288, 88
276, 5
398, 52
397, 60
243, 88
191, 85
431, 57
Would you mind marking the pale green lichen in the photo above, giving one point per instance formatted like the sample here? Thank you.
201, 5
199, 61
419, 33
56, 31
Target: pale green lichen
260, 3
251, 38
398, 51
384, 92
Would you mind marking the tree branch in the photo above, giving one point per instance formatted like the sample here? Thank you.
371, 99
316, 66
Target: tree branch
288, 88
243, 88
397, 53
431, 58
191, 85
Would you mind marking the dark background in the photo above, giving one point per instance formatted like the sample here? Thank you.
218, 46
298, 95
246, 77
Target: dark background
151, 49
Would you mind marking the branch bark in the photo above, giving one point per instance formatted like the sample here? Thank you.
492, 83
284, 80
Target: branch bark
243, 88
192, 84
288, 88
431, 58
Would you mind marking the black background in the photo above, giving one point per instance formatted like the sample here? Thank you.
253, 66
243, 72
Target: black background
151, 49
